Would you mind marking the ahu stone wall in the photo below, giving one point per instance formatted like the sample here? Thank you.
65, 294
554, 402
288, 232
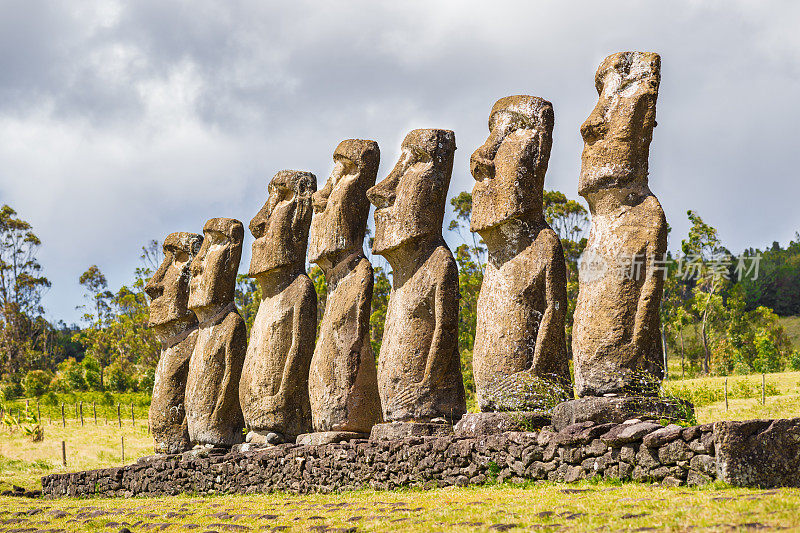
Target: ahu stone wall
642, 451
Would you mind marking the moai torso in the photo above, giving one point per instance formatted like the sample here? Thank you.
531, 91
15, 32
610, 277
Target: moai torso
274, 385
419, 370
212, 389
176, 328
343, 384
616, 335
214, 414
519, 357
419, 367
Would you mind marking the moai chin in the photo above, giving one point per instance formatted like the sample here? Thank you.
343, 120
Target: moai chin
343, 384
176, 327
274, 385
520, 357
419, 371
616, 340
212, 389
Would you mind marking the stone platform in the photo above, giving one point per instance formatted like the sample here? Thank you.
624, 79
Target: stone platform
402, 430
762, 453
477, 424
329, 437
618, 409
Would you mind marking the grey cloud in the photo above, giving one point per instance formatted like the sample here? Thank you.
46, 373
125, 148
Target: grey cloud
122, 122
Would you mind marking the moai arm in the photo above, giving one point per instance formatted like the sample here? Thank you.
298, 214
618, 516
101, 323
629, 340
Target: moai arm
233, 352
445, 336
304, 319
652, 287
363, 311
550, 340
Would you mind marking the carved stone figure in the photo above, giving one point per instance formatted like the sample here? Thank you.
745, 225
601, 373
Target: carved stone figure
274, 385
419, 372
176, 327
343, 384
212, 389
520, 353
616, 336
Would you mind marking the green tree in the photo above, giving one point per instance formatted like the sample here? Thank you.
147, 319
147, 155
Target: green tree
95, 338
36, 383
702, 249
22, 334
380, 303
570, 220
321, 287
247, 297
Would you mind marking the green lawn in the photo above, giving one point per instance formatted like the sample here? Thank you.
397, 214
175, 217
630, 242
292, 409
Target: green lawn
581, 507
577, 507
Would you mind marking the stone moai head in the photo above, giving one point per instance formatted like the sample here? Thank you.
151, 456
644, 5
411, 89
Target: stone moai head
341, 207
281, 227
214, 267
168, 289
510, 166
618, 132
410, 202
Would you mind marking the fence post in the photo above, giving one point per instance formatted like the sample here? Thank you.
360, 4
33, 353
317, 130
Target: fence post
81, 414
38, 412
122, 439
133, 421
763, 389
27, 407
94, 410
63, 453
63, 418
726, 393
119, 414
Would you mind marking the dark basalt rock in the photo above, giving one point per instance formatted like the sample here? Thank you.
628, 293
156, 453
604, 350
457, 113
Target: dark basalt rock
758, 453
618, 409
475, 424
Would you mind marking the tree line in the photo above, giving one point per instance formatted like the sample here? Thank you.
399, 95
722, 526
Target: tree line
712, 321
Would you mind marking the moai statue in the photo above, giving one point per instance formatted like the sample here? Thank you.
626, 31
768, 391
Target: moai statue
616, 340
212, 388
616, 336
343, 383
274, 386
176, 327
520, 355
419, 371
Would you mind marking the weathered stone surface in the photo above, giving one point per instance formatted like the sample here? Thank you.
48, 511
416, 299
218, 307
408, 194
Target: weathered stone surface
758, 453
629, 432
616, 341
618, 409
662, 436
403, 430
328, 437
176, 327
474, 424
419, 368
343, 382
520, 354
213, 414
413, 461
274, 384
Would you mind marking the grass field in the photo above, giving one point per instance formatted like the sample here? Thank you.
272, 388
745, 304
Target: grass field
744, 396
581, 507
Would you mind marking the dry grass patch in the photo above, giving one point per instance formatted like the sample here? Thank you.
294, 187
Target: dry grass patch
581, 507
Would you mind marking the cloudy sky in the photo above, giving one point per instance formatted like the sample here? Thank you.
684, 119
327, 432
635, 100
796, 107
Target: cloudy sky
121, 122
